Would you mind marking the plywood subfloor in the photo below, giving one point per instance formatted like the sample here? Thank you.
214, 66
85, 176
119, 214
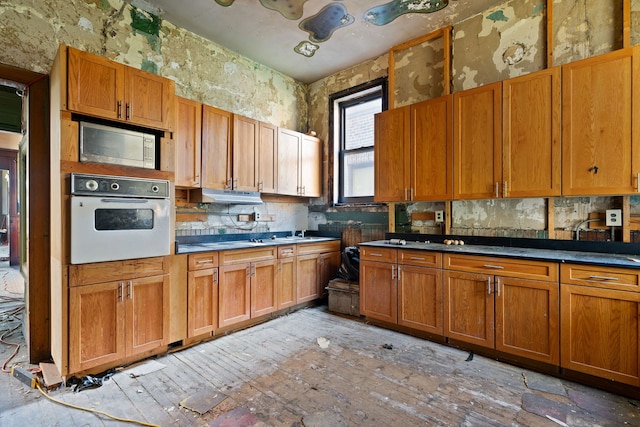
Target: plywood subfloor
276, 374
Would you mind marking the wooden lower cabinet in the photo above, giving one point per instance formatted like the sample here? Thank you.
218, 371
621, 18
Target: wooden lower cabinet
514, 315
263, 287
420, 294
378, 291
234, 294
600, 323
469, 308
202, 302
286, 277
316, 265
113, 320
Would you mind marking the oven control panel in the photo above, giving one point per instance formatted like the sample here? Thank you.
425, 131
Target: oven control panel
118, 186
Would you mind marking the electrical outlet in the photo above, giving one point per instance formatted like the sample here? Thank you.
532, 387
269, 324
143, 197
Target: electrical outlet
257, 216
439, 216
613, 218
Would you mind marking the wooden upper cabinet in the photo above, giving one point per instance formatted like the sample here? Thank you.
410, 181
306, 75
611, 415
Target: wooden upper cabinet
310, 167
299, 164
431, 150
477, 142
288, 155
95, 85
106, 89
245, 153
391, 155
268, 158
600, 125
217, 126
188, 137
531, 150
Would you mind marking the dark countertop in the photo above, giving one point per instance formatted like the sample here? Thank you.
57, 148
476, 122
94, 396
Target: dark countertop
540, 254
225, 245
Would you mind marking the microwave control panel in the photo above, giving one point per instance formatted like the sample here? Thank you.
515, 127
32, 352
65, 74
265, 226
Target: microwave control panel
118, 186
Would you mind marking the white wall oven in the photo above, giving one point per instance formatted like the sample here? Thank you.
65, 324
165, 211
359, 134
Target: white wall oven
117, 218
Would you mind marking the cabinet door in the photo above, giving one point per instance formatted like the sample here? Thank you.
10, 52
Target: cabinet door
531, 135
202, 303
527, 319
391, 155
328, 264
268, 159
420, 298
245, 153
147, 301
96, 325
216, 148
599, 146
431, 150
477, 142
310, 167
188, 138
600, 331
287, 283
288, 158
378, 291
234, 287
95, 85
149, 98
307, 271
263, 288
468, 308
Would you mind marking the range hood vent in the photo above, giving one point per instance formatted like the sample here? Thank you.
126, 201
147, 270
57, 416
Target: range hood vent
227, 197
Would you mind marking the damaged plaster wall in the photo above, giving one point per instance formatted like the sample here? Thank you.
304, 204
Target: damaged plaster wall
203, 71
419, 73
504, 42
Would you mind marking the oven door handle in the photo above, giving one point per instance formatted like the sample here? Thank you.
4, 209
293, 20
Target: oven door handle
123, 200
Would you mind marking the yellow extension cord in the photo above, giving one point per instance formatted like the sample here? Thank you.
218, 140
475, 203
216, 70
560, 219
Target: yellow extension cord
92, 410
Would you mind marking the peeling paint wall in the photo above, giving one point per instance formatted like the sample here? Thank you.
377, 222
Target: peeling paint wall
203, 71
419, 73
503, 42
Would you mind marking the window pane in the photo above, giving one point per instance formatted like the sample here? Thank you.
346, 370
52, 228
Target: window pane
358, 174
359, 130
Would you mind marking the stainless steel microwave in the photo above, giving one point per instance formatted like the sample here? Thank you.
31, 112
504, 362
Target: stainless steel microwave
108, 144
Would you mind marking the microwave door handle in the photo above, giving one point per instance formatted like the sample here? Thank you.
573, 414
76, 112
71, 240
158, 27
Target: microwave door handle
119, 200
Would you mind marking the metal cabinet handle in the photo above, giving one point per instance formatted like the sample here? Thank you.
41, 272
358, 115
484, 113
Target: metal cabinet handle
120, 291
504, 189
129, 289
215, 276
415, 258
375, 254
498, 285
398, 272
489, 285
638, 182
204, 262
497, 267
128, 110
497, 189
593, 277
119, 109
393, 272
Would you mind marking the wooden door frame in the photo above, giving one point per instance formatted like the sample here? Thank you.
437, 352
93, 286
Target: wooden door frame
37, 266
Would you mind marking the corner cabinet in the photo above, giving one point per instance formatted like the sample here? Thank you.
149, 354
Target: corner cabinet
299, 164
117, 309
106, 89
413, 152
601, 126
600, 321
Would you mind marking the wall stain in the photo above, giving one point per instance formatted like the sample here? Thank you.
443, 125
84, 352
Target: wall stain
497, 16
149, 25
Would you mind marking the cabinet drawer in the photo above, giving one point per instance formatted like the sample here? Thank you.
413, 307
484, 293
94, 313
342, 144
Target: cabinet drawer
287, 251
203, 260
420, 258
318, 247
102, 272
526, 269
601, 277
262, 253
378, 254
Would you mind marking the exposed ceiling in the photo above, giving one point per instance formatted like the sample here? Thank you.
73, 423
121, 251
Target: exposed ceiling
312, 39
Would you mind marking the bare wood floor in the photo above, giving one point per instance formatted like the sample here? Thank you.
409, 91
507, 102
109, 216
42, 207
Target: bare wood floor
276, 374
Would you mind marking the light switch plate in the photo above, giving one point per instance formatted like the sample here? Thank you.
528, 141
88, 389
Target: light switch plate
613, 218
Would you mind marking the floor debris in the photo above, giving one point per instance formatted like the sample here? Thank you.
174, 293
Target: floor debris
143, 368
323, 342
203, 401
